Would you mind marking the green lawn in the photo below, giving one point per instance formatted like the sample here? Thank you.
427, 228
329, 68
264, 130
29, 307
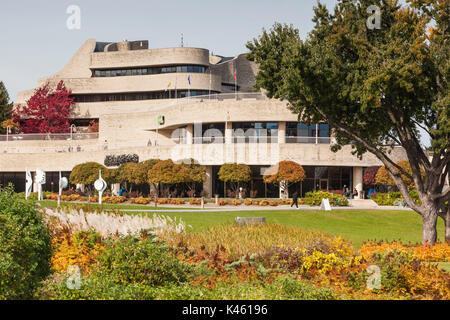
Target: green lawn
357, 226
354, 225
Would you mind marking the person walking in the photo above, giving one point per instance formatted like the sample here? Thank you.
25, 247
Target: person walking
295, 199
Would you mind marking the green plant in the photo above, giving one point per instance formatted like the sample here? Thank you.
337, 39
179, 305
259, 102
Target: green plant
315, 198
25, 246
141, 262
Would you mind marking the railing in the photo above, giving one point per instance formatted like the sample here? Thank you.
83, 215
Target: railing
310, 140
49, 137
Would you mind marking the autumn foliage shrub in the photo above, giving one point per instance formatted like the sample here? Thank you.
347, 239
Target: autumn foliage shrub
140, 200
236, 203
438, 252
195, 201
79, 249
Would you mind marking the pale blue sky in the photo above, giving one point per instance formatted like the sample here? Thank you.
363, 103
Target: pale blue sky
36, 42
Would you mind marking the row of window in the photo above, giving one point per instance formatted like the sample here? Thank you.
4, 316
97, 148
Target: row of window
297, 129
169, 94
230, 87
148, 71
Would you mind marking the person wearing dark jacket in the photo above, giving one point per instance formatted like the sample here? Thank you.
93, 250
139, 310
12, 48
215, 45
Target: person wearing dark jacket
295, 198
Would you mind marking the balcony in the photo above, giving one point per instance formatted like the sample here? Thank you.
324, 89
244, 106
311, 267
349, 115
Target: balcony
49, 137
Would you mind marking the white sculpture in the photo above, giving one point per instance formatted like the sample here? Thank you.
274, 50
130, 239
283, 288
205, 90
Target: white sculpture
28, 184
100, 185
40, 180
325, 205
63, 183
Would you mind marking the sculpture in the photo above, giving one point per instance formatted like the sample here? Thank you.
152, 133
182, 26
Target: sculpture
100, 185
63, 183
40, 180
28, 184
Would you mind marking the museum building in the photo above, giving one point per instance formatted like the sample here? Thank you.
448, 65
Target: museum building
178, 103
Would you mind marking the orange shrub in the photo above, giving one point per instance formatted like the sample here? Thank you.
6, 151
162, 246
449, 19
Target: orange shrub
80, 249
236, 203
195, 201
114, 200
248, 202
264, 203
223, 203
438, 252
273, 204
163, 201
140, 200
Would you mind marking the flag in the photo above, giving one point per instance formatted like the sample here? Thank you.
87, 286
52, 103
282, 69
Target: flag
235, 75
168, 86
189, 79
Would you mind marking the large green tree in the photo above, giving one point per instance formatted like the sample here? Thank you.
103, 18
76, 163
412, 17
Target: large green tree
235, 174
375, 87
5, 107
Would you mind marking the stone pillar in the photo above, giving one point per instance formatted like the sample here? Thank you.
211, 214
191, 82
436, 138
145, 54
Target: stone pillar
281, 132
358, 180
190, 134
208, 184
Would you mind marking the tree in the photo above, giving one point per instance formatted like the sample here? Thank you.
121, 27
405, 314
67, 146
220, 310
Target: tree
375, 88
235, 174
47, 111
195, 173
383, 176
5, 107
87, 173
285, 173
143, 170
129, 172
369, 178
167, 172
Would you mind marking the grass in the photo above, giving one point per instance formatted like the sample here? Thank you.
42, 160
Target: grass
356, 226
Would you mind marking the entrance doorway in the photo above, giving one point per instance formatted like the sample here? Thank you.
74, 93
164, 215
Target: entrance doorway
323, 184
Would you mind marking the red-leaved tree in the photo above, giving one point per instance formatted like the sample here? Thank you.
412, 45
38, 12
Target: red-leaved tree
370, 176
47, 111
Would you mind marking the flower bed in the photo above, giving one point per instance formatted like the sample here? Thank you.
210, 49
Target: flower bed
315, 199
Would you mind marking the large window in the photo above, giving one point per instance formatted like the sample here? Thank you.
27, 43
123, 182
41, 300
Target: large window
169, 94
245, 132
297, 132
148, 71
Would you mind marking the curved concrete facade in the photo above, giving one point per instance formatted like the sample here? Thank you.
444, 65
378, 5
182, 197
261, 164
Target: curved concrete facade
132, 126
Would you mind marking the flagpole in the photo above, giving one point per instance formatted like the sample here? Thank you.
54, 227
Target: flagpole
210, 83
235, 81
176, 85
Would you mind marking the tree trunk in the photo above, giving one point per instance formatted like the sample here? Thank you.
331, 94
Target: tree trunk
429, 231
446, 217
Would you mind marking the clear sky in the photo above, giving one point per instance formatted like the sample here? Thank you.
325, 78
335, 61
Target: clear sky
35, 40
